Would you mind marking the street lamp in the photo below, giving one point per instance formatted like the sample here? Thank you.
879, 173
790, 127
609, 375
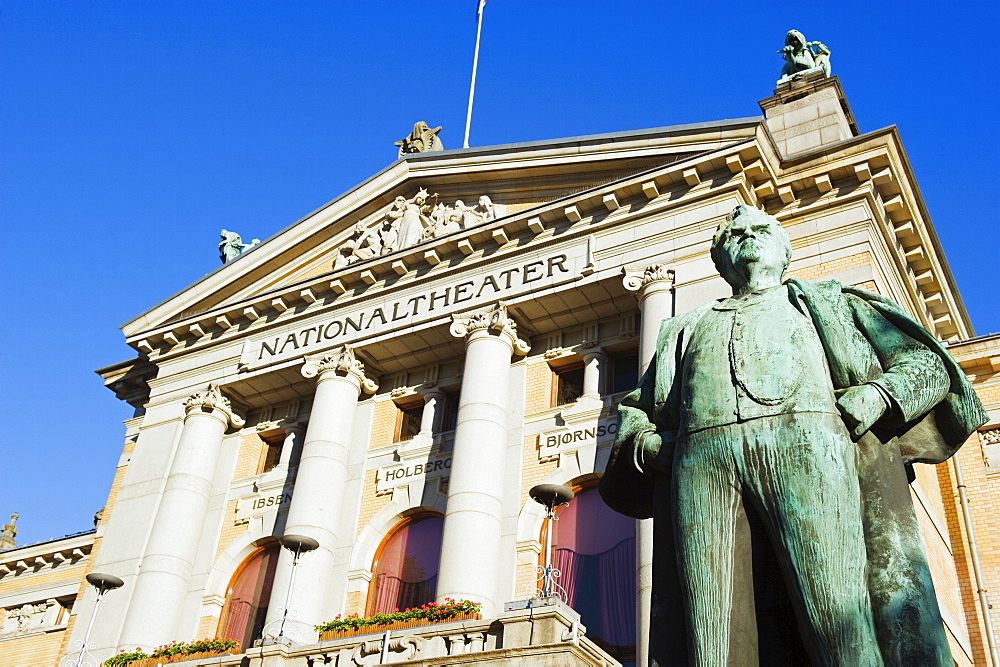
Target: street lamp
550, 496
103, 583
297, 544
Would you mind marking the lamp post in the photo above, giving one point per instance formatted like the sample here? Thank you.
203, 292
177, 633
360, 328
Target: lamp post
550, 496
298, 545
103, 583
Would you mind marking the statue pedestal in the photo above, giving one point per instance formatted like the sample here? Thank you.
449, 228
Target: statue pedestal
807, 111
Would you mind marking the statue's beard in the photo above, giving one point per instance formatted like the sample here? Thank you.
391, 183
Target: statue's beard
750, 258
750, 250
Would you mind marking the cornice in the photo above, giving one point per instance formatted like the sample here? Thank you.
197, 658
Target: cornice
54, 553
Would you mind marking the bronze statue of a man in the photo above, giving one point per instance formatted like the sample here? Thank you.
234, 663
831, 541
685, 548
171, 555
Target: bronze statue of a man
771, 438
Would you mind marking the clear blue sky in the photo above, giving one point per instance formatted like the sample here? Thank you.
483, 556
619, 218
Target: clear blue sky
132, 131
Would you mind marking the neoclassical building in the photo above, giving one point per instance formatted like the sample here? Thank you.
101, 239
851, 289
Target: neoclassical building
390, 375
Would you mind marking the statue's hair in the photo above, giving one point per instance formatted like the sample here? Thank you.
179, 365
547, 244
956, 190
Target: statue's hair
796, 34
742, 211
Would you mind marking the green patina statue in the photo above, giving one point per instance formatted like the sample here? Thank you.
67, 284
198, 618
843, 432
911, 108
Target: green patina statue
773, 432
800, 57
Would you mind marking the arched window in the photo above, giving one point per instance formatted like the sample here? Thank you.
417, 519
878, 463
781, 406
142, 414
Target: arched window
406, 565
249, 592
594, 549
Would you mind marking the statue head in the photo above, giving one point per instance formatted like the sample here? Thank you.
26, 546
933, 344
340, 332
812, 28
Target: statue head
795, 39
750, 240
485, 201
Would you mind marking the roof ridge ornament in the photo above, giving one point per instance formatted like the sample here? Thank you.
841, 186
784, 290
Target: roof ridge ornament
232, 246
422, 139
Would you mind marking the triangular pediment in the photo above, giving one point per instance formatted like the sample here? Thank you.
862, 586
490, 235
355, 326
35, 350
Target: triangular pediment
417, 203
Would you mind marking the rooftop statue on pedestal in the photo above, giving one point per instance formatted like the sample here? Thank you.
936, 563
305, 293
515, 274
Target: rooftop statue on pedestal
422, 139
800, 57
231, 246
8, 533
773, 431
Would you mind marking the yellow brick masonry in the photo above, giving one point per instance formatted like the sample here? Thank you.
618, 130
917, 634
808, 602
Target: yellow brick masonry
32, 651
984, 499
823, 269
247, 464
539, 386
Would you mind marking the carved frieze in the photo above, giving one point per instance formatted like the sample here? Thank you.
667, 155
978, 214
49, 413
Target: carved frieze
410, 221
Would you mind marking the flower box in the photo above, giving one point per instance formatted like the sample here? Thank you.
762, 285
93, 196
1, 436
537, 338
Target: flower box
426, 614
175, 652
397, 625
150, 662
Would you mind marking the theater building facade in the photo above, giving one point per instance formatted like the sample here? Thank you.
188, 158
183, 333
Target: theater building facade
391, 374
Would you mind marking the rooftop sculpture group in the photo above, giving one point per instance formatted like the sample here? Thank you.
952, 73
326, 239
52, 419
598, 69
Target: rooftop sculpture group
801, 58
409, 221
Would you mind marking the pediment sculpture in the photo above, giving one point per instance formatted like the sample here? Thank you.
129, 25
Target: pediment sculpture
803, 56
410, 221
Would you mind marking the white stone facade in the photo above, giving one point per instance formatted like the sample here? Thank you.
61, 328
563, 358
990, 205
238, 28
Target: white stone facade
582, 246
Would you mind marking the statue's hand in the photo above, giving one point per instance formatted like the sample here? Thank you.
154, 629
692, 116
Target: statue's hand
861, 407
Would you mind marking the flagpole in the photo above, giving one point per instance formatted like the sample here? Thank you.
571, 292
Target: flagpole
475, 65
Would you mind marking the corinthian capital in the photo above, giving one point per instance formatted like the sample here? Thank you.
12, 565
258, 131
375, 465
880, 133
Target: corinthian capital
341, 361
637, 280
212, 400
493, 319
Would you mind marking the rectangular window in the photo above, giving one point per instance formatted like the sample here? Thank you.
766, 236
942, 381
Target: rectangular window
567, 385
624, 373
408, 421
449, 414
270, 456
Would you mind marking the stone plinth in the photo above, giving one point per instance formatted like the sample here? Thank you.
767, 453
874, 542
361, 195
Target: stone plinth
807, 112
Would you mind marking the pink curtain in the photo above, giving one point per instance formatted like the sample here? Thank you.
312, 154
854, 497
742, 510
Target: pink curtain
595, 551
406, 572
249, 596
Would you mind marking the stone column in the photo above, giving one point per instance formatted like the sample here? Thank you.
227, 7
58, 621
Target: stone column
165, 571
471, 547
654, 287
594, 364
318, 497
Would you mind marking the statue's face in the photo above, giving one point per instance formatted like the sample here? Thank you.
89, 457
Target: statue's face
748, 240
419, 199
